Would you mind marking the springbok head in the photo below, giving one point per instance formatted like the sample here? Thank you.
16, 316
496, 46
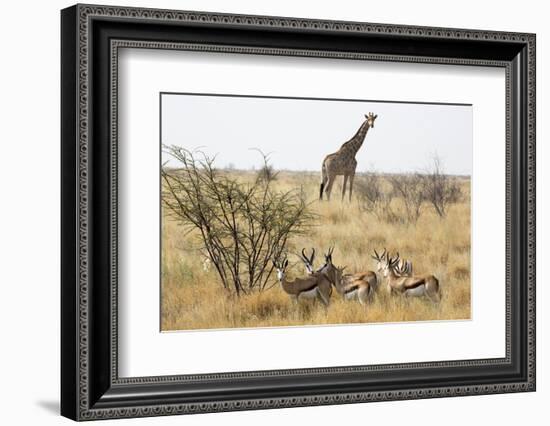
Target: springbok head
338, 275
335, 275
328, 259
308, 261
390, 264
280, 266
380, 259
370, 119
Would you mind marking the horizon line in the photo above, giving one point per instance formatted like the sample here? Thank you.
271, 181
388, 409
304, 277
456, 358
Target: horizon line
402, 172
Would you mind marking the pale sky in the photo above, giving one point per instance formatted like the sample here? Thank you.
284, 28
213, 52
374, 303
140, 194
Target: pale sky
300, 133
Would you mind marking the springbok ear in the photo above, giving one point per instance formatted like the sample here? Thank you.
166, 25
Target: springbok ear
286, 263
374, 118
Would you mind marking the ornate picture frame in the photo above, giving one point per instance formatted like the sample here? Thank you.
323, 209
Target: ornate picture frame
91, 37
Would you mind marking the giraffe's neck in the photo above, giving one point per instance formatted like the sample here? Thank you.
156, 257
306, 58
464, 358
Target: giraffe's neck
356, 141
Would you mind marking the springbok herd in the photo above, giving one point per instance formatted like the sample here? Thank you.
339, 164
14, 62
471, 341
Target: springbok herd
360, 286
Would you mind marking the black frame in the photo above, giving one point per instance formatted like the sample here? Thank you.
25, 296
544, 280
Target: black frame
91, 37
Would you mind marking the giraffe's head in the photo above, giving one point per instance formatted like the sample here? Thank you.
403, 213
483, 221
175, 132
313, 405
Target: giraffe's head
370, 119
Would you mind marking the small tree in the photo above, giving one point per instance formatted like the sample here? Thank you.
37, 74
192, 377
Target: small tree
410, 187
374, 198
241, 226
440, 189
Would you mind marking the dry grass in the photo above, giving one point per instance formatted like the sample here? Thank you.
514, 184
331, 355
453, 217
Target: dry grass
194, 299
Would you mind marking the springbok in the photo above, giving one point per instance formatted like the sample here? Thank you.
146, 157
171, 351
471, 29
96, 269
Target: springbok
315, 286
404, 268
414, 286
360, 286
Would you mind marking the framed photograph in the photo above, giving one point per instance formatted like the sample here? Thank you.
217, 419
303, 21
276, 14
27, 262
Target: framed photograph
263, 212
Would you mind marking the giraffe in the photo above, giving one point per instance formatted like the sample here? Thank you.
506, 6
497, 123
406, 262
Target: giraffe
343, 162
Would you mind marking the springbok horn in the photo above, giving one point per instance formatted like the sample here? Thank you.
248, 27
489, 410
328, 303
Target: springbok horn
397, 258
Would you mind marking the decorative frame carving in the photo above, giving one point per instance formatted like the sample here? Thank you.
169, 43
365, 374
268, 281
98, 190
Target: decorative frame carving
91, 388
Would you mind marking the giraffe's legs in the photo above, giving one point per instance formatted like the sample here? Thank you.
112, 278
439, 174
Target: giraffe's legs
329, 186
351, 176
324, 180
344, 186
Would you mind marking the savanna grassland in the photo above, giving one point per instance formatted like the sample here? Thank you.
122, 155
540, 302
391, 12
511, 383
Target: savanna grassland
192, 298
